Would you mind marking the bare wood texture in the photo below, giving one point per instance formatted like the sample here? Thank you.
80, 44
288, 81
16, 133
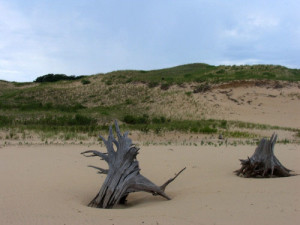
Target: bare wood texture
123, 173
263, 163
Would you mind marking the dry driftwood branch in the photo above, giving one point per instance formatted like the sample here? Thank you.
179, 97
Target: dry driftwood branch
263, 163
123, 173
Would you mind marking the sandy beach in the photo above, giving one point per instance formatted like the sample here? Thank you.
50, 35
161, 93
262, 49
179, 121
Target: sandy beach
51, 184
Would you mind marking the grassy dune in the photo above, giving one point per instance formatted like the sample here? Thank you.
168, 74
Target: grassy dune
137, 98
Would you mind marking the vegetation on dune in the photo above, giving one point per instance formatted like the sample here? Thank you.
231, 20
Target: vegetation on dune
87, 123
201, 73
56, 102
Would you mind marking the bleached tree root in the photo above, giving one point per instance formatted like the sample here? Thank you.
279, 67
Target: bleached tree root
263, 163
123, 173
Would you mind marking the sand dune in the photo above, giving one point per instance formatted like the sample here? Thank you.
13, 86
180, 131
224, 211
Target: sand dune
257, 104
52, 185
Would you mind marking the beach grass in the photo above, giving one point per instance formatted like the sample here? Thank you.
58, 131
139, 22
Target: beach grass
136, 98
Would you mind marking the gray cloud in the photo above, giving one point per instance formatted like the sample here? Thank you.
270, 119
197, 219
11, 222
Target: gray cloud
86, 37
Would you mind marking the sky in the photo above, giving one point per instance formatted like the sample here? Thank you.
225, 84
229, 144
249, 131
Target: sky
85, 37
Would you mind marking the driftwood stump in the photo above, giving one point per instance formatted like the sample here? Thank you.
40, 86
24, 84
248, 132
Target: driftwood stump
263, 163
123, 173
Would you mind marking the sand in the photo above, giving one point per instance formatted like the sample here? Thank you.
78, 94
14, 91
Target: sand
51, 184
257, 104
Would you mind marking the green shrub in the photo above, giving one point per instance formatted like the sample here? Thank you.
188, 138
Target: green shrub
208, 130
31, 106
109, 82
130, 119
85, 81
82, 120
128, 101
194, 129
188, 93
163, 119
165, 86
153, 84
55, 77
4, 121
129, 80
159, 120
143, 119
223, 124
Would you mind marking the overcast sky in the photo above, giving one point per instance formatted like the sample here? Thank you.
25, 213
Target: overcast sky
84, 37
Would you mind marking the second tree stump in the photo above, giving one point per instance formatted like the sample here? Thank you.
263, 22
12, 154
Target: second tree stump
263, 163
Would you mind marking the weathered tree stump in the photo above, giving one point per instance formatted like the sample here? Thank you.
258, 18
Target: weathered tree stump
263, 163
123, 173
